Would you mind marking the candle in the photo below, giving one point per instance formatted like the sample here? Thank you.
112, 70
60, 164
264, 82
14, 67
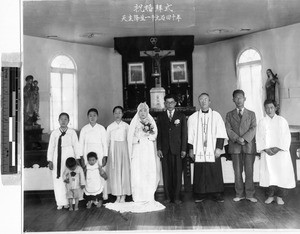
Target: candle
125, 81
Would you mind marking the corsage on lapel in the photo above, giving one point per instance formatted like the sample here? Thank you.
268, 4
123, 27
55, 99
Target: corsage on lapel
176, 122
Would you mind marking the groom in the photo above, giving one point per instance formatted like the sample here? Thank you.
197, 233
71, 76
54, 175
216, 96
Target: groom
171, 147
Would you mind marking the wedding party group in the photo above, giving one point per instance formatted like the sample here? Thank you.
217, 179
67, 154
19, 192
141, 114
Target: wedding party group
127, 159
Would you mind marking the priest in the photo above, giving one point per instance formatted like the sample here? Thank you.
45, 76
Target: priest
206, 138
273, 140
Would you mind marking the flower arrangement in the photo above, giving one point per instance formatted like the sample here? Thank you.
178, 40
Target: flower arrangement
147, 126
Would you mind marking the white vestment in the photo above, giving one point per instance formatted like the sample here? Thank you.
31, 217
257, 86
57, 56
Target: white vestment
205, 127
94, 139
277, 169
69, 148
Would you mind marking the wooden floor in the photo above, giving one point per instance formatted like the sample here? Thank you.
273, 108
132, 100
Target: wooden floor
40, 215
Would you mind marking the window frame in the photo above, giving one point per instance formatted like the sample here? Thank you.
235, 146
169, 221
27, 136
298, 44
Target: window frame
62, 71
254, 62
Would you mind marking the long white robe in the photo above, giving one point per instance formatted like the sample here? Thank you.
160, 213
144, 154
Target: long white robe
69, 148
94, 139
215, 128
277, 169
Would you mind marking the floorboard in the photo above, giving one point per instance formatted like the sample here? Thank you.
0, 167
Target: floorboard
41, 215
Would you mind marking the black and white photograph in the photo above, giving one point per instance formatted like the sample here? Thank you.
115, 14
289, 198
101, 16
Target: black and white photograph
179, 72
150, 116
136, 73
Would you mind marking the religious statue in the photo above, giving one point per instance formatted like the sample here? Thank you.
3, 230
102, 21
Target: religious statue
36, 97
157, 58
273, 88
31, 101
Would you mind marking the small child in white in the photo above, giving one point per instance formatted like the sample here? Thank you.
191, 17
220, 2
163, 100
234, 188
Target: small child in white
94, 183
75, 182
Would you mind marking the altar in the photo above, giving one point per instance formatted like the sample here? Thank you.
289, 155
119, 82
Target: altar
155, 66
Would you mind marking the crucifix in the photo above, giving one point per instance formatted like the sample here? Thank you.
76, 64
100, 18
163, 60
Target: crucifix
156, 55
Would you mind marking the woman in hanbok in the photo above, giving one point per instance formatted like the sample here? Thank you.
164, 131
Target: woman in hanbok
144, 164
118, 164
62, 145
93, 139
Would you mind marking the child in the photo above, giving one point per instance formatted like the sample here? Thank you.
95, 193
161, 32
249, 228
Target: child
63, 143
94, 185
118, 161
93, 139
74, 179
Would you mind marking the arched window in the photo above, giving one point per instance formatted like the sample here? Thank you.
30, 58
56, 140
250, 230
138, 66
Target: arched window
250, 80
63, 91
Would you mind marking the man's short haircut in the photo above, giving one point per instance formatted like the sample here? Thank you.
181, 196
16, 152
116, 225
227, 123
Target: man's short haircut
204, 94
65, 114
92, 110
238, 91
168, 96
92, 155
70, 162
270, 101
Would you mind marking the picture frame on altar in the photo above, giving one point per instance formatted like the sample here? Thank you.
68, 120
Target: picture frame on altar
179, 72
136, 73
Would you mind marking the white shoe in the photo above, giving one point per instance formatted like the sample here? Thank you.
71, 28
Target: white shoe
252, 199
237, 199
59, 207
280, 201
269, 200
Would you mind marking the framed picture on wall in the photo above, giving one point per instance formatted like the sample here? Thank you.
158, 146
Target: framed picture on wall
179, 72
136, 73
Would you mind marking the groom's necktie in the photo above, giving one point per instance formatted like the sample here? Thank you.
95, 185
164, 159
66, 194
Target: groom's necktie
59, 153
170, 116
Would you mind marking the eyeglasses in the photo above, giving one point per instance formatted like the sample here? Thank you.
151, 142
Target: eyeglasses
170, 103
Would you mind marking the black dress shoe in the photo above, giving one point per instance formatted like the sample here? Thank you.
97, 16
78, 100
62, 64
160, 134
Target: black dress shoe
167, 201
177, 202
218, 198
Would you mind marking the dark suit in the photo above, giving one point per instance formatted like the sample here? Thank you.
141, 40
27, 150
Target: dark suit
243, 156
171, 140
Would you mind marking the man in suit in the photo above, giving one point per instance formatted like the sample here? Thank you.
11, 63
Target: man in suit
241, 126
171, 147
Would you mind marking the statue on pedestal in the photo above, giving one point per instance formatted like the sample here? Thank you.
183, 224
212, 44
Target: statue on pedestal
31, 101
273, 88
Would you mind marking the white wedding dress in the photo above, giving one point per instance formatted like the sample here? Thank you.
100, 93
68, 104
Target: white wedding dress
144, 171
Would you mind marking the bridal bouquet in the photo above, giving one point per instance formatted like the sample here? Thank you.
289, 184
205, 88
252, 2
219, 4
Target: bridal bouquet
147, 126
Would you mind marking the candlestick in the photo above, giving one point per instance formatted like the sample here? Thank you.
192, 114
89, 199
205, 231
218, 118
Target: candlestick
169, 87
125, 80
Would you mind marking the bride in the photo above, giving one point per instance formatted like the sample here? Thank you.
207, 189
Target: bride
144, 163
